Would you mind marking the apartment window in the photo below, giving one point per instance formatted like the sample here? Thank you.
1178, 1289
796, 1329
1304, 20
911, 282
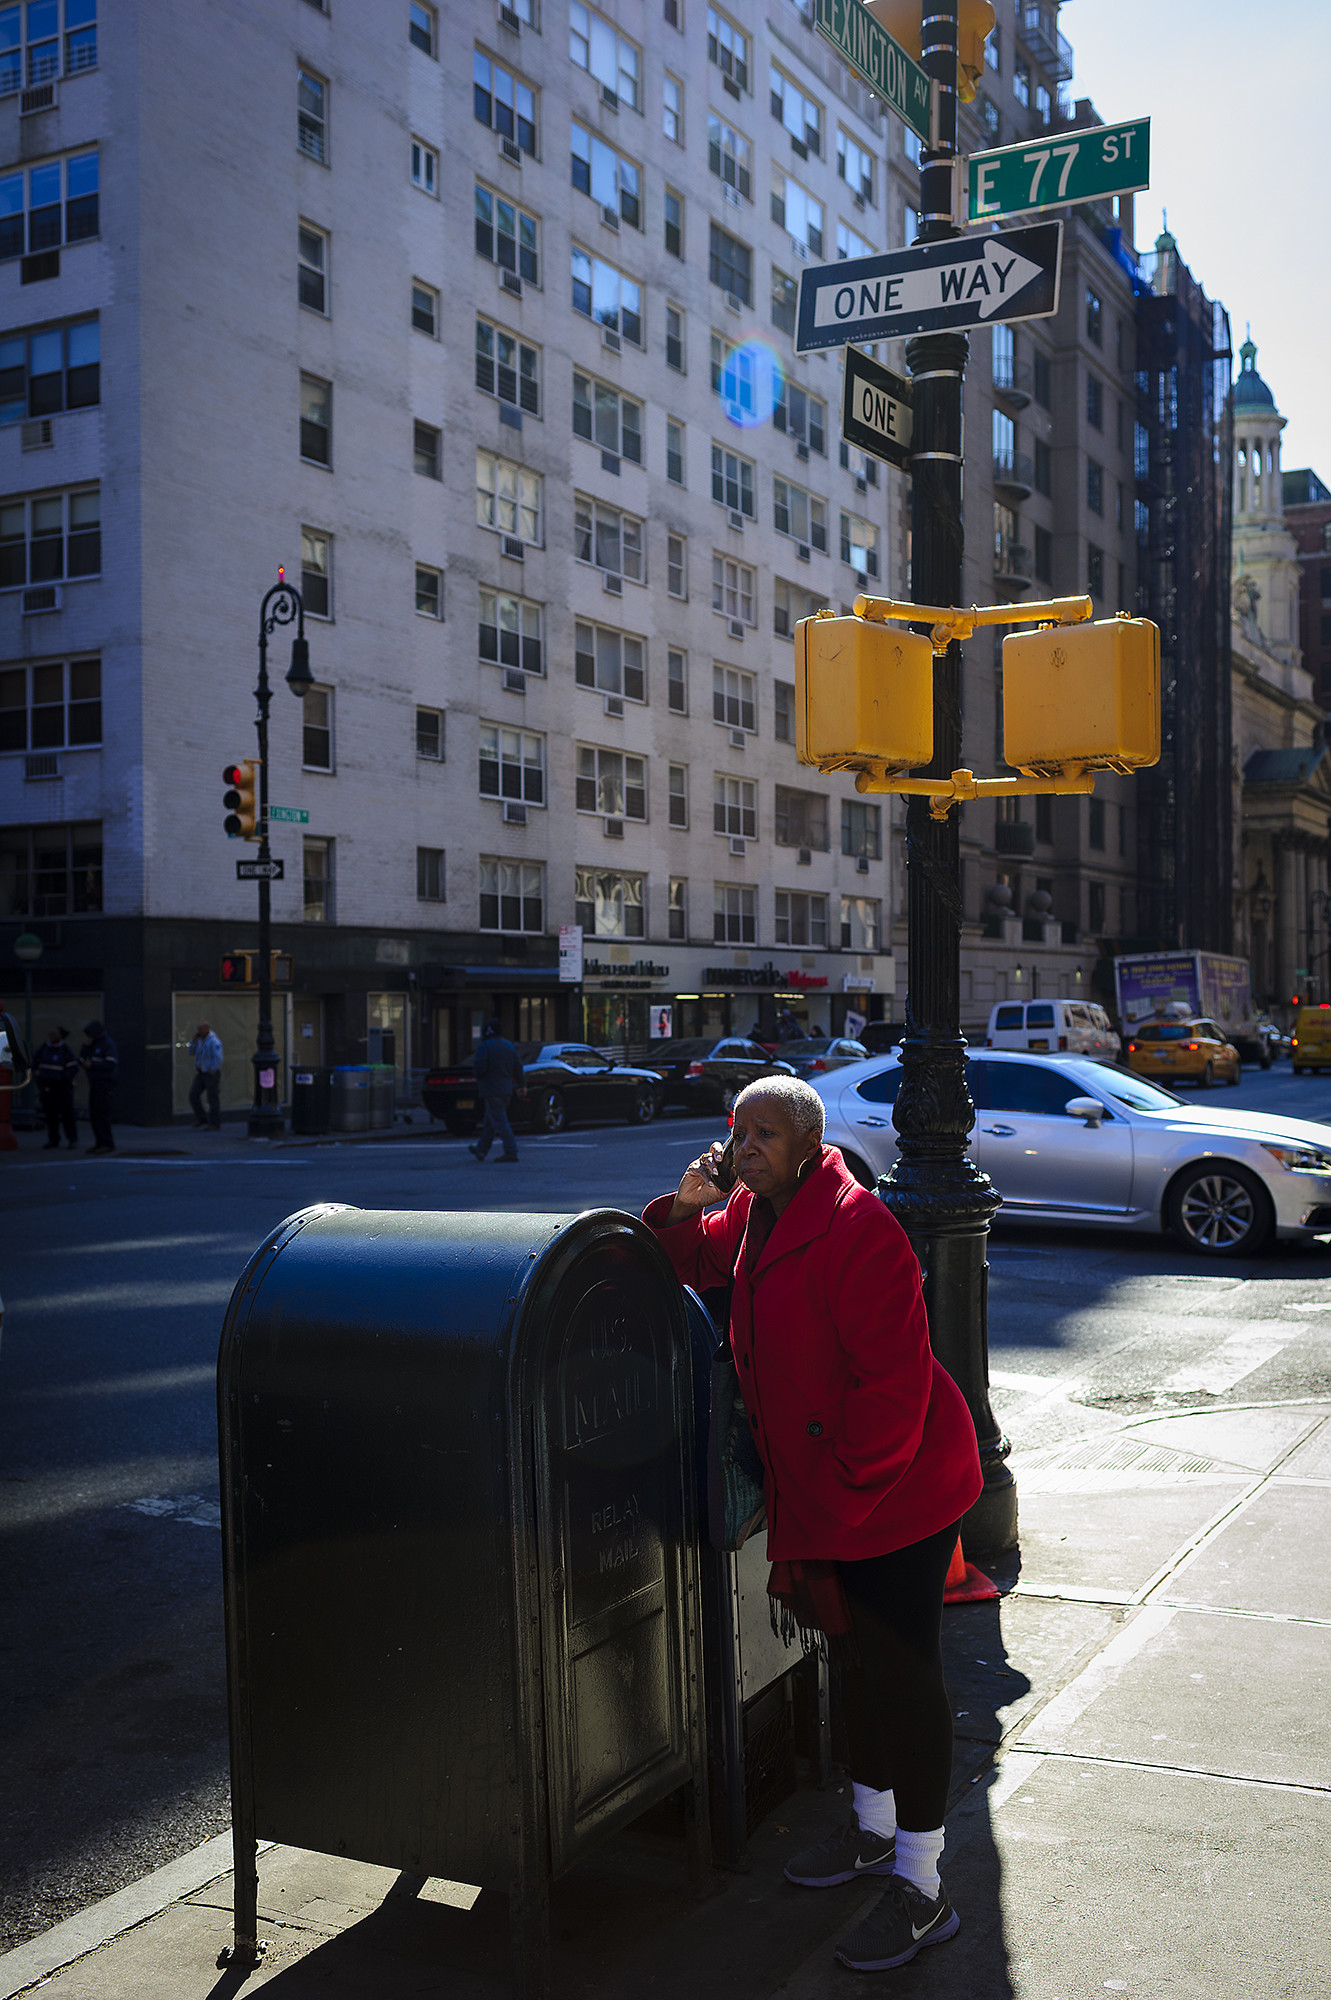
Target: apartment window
801, 416
34, 57
675, 462
1094, 317
608, 538
1118, 504
507, 368
50, 368
317, 730
609, 661
679, 794
855, 166
607, 904
430, 734
611, 784
988, 111
730, 263
509, 632
1095, 833
734, 698
801, 819
1021, 83
32, 215
512, 764
785, 297
1095, 486
677, 566
729, 156
1044, 821
504, 103
1095, 570
604, 294
312, 267
318, 872
796, 211
790, 603
733, 593
604, 417
422, 27
674, 223
674, 339
728, 48
799, 514
1044, 467
506, 235
735, 807
1004, 438
734, 913
1141, 520
51, 871
51, 536
801, 116
1141, 451
801, 920
677, 681
677, 912
55, 706
1044, 555
733, 481
859, 545
316, 420
784, 692
605, 54
860, 463
508, 497
512, 895
861, 829
427, 450
430, 875
672, 108
1095, 402
429, 591
603, 173
424, 167
1040, 378
316, 572
849, 243
312, 116
672, 12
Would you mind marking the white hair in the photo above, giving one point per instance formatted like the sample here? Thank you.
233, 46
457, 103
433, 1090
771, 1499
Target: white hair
798, 1099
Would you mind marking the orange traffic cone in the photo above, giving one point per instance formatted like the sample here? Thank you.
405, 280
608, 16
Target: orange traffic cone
966, 1584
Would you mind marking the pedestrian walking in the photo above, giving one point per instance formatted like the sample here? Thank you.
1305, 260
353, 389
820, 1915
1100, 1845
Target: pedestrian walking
788, 1028
206, 1049
498, 1069
100, 1061
870, 1461
56, 1067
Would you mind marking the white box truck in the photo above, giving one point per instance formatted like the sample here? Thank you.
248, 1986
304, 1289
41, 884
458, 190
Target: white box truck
1155, 983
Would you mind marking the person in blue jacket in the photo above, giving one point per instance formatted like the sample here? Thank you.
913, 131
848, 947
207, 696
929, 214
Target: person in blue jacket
498, 1069
56, 1067
100, 1061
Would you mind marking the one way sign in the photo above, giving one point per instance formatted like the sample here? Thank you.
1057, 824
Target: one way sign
964, 281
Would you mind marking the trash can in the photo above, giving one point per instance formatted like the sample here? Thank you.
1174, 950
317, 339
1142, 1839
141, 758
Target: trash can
461, 1580
383, 1094
351, 1097
310, 1098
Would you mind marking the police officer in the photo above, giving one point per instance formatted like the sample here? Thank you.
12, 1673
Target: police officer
100, 1061
56, 1067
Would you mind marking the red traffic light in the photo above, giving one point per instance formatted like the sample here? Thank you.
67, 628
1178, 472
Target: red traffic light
241, 800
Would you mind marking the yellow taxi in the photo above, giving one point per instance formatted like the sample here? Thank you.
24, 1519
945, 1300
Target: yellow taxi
1310, 1043
1172, 1050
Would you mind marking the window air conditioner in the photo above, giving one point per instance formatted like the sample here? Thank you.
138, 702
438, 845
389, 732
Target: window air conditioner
613, 829
40, 97
801, 450
800, 250
612, 585
732, 195
511, 151
731, 87
861, 484
41, 764
610, 339
798, 148
861, 864
737, 739
802, 551
805, 857
614, 704
734, 303
513, 547
735, 627
736, 519
511, 282
610, 217
514, 814
738, 844
41, 597
36, 434
609, 98
508, 19
859, 203
515, 681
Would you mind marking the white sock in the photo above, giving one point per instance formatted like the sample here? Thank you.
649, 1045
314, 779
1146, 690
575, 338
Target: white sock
875, 1811
918, 1855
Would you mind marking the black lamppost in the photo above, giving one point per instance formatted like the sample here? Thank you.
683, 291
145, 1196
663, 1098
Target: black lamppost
283, 605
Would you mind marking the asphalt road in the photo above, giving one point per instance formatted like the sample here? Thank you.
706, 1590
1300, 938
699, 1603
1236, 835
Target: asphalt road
115, 1277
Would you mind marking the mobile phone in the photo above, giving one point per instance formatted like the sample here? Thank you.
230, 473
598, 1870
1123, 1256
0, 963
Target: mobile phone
723, 1173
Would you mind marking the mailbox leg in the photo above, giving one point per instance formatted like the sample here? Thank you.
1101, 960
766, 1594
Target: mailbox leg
529, 1938
246, 1948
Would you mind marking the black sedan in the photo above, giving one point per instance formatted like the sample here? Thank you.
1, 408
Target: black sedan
561, 1082
705, 1075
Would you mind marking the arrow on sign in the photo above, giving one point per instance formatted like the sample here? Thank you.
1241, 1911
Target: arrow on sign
964, 281
260, 871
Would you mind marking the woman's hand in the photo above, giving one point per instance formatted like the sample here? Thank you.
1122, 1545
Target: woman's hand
697, 1189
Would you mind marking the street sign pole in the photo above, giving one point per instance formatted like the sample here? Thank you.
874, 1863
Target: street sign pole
937, 1193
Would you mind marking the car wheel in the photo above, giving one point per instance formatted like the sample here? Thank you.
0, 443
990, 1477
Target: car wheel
550, 1113
643, 1108
1237, 1077
1220, 1210
1207, 1077
863, 1174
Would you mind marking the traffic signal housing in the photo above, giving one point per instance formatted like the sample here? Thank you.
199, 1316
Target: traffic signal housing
903, 20
237, 969
1084, 696
241, 799
281, 968
864, 695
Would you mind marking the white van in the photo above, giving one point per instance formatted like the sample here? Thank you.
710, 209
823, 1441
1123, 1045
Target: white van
1072, 1027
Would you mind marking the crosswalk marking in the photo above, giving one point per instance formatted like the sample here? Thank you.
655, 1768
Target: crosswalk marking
1246, 1350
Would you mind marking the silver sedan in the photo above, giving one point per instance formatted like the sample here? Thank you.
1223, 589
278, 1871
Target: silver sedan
1069, 1140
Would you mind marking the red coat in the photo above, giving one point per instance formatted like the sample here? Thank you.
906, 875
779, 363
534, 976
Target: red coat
867, 1441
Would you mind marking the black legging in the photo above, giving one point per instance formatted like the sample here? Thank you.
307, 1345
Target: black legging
898, 1717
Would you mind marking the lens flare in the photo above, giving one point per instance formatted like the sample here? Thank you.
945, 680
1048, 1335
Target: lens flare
751, 382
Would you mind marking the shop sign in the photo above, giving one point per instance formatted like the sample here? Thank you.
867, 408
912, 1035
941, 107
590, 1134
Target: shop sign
857, 982
570, 954
643, 971
760, 975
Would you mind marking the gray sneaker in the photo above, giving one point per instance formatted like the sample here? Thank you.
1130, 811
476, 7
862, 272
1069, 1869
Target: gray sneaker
902, 1922
841, 1857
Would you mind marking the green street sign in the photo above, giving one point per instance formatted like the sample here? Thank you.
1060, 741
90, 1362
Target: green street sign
293, 815
1051, 172
871, 52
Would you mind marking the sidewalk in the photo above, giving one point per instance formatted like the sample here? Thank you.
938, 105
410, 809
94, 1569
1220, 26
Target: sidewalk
1142, 1800
166, 1142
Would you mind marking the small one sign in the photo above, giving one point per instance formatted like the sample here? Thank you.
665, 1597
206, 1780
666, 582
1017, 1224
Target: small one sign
570, 954
260, 871
877, 412
661, 1024
960, 281
882, 62
1072, 166
292, 815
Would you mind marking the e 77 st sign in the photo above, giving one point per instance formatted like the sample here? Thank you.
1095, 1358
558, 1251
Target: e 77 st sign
1082, 165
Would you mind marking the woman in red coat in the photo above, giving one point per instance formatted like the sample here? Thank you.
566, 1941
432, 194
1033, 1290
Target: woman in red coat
870, 1461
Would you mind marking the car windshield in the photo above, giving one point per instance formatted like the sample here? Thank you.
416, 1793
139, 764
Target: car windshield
1165, 1031
1125, 1088
681, 1051
812, 1045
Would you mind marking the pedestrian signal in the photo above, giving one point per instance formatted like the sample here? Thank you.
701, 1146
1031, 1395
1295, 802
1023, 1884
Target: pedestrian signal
241, 800
238, 968
281, 968
1082, 696
864, 695
975, 23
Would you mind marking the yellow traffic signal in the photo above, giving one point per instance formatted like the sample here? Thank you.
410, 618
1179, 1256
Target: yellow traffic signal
975, 23
1084, 695
864, 695
241, 800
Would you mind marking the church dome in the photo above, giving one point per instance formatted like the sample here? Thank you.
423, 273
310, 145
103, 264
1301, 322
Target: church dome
1250, 392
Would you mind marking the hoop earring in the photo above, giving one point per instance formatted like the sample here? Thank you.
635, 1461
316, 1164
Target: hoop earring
805, 1167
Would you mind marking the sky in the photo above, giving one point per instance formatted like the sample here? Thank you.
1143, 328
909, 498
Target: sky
1236, 91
